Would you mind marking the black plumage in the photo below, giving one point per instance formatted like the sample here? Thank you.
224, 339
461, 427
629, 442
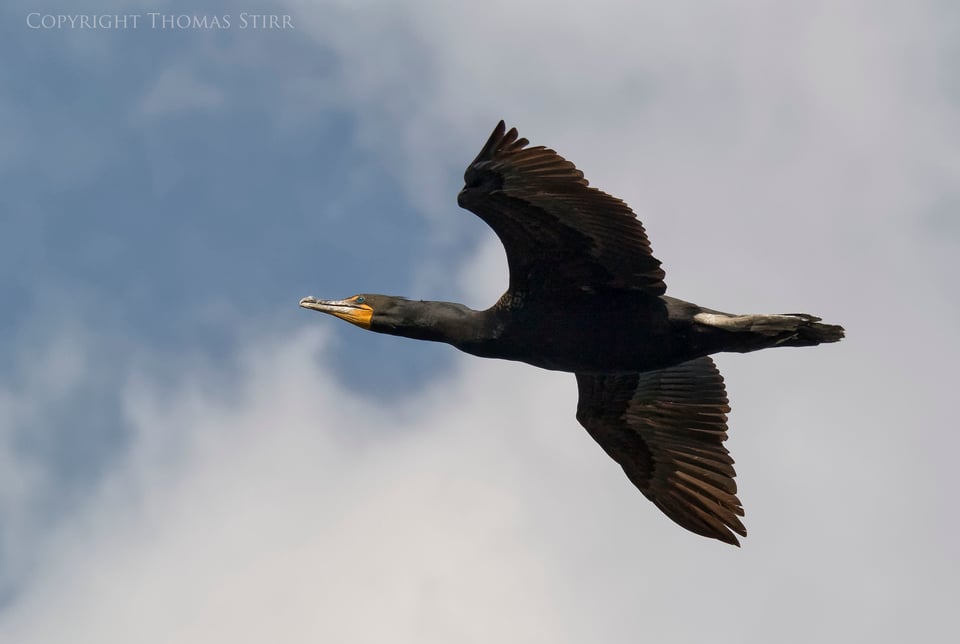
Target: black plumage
586, 295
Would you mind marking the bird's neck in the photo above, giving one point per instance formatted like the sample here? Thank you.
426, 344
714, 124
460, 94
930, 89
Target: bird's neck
448, 322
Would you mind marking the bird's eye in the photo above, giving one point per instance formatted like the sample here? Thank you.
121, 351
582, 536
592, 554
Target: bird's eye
360, 299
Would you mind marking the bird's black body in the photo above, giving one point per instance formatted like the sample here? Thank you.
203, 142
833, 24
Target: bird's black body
588, 332
587, 296
605, 332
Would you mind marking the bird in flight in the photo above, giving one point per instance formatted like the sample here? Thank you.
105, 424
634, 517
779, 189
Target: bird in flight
587, 296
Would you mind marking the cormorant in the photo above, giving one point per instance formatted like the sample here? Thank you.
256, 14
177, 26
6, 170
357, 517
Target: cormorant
586, 295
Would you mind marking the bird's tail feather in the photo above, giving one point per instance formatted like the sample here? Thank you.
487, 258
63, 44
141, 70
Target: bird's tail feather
776, 330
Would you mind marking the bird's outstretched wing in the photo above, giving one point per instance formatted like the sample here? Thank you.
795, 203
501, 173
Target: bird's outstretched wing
558, 232
666, 429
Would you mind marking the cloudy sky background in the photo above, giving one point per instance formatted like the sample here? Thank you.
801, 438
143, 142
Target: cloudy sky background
186, 456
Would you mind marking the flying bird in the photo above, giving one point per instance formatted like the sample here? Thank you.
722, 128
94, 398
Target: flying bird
587, 296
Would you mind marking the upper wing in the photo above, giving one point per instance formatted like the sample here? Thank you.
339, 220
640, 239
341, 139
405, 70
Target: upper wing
666, 429
558, 232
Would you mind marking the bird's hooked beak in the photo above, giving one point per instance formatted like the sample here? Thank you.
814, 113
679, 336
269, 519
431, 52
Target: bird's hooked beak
350, 309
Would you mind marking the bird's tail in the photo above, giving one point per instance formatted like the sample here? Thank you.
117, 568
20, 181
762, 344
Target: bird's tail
761, 331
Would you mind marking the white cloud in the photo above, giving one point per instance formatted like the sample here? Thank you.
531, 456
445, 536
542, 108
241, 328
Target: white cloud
178, 89
273, 504
291, 499
791, 112
49, 377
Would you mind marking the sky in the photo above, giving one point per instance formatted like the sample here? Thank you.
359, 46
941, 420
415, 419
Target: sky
187, 456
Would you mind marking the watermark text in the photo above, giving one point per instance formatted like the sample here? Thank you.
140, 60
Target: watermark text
158, 21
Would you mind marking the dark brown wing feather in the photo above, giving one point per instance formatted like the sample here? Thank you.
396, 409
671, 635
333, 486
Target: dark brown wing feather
558, 232
666, 429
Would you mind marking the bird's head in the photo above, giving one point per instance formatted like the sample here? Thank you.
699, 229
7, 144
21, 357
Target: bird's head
361, 309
